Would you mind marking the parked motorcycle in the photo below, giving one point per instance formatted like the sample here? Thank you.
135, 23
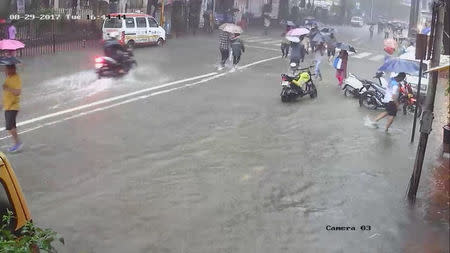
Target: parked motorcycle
409, 101
355, 86
372, 97
290, 92
109, 67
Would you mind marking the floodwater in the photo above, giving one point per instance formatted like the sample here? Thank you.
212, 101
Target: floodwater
226, 167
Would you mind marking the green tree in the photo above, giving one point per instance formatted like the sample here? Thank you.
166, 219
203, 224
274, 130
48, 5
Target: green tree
28, 238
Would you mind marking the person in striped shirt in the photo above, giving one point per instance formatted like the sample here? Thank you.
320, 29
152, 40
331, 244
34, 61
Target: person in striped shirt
224, 47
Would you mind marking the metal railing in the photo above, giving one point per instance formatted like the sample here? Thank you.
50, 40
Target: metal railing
56, 36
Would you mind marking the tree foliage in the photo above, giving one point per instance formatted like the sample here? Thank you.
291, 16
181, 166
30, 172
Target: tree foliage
28, 238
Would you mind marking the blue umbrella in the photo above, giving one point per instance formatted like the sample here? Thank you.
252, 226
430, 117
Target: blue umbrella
397, 65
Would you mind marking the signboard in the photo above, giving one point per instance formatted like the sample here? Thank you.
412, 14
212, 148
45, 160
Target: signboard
21, 6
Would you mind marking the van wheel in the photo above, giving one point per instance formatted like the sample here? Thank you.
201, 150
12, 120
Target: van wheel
160, 42
131, 44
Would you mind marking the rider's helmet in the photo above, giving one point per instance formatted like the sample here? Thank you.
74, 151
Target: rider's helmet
114, 35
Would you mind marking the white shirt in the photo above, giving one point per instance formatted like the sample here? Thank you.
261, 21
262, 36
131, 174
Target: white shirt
391, 91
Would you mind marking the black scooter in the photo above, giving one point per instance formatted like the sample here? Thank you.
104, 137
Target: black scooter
290, 92
372, 97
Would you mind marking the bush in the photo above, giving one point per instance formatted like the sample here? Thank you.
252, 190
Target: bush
27, 239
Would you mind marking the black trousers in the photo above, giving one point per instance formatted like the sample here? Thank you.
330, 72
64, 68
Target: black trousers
225, 53
236, 59
331, 52
285, 49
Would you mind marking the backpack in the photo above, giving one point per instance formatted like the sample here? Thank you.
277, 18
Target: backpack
337, 64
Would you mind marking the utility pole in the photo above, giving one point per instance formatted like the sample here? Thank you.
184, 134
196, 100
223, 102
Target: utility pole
214, 15
412, 13
427, 118
371, 12
161, 18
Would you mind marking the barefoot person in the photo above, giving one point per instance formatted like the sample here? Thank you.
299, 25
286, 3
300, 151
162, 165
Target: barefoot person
11, 98
391, 101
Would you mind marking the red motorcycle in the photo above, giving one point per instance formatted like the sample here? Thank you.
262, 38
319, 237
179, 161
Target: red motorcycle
409, 100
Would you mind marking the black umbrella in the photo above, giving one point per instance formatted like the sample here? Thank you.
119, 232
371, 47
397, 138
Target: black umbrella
345, 46
318, 38
9, 60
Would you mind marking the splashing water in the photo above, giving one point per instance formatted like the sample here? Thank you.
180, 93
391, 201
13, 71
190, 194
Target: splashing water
369, 123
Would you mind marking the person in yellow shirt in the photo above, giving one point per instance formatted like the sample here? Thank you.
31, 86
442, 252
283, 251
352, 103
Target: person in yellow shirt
299, 80
11, 99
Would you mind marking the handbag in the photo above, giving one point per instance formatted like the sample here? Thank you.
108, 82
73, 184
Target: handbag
337, 64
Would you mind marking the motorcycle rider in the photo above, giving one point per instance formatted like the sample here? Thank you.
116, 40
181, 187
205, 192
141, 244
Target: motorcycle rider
391, 101
113, 49
298, 81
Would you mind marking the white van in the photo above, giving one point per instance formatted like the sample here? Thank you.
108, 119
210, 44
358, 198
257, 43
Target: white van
134, 29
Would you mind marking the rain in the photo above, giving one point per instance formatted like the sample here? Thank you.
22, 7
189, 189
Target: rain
225, 125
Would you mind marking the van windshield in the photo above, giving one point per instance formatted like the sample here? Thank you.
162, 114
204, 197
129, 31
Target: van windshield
113, 23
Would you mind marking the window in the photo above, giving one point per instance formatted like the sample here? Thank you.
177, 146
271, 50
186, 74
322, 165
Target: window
113, 23
152, 22
129, 22
141, 23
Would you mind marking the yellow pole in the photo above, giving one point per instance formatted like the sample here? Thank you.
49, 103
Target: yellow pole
161, 18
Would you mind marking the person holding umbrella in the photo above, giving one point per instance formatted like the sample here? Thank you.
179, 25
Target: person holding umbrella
340, 63
318, 55
224, 40
224, 48
341, 67
12, 89
331, 47
295, 50
391, 101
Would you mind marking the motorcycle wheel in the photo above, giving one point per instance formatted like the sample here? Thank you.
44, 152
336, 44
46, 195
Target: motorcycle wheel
367, 101
160, 42
284, 95
348, 92
313, 92
411, 108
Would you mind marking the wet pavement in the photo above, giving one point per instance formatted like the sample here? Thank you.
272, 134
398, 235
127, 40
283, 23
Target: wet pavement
217, 163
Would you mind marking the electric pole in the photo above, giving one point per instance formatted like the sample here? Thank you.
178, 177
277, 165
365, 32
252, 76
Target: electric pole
371, 11
412, 19
437, 27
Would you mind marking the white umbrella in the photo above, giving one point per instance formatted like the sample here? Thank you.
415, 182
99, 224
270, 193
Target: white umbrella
293, 39
231, 28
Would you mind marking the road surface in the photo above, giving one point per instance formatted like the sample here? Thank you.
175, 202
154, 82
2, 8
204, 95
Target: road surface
180, 157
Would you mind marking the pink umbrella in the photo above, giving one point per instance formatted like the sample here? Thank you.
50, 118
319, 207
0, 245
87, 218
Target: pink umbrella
298, 32
11, 44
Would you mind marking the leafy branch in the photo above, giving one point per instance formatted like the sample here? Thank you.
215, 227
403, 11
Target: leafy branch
28, 239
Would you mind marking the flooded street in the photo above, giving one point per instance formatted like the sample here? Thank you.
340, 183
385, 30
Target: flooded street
179, 157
